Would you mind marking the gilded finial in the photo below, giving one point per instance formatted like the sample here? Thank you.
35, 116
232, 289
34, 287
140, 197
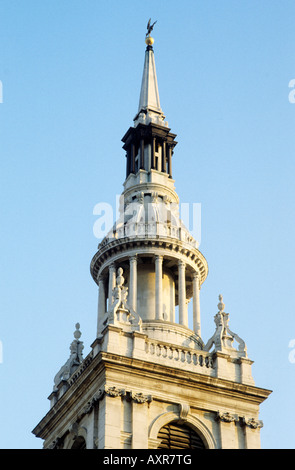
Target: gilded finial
149, 40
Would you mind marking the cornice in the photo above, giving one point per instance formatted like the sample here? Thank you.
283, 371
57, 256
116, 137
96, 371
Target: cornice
105, 364
168, 246
193, 380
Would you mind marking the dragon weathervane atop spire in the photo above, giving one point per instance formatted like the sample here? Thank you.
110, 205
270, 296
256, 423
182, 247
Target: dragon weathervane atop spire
148, 39
150, 27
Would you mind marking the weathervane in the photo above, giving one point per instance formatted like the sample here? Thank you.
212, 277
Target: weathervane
150, 27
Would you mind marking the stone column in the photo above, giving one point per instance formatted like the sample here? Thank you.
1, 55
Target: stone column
133, 282
142, 154
196, 305
153, 153
132, 170
183, 316
101, 303
112, 283
169, 161
164, 157
128, 163
159, 287
172, 303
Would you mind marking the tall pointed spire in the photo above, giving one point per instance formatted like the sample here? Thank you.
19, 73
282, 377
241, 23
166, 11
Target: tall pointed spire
149, 94
149, 108
149, 144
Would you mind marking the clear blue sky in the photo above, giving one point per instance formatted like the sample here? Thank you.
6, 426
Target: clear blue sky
71, 73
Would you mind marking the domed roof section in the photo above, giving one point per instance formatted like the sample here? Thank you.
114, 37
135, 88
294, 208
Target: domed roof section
150, 216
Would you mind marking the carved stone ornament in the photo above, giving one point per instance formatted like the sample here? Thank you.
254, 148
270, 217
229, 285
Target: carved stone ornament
252, 423
184, 410
75, 359
225, 417
56, 444
140, 197
115, 392
223, 336
120, 313
154, 197
94, 400
141, 398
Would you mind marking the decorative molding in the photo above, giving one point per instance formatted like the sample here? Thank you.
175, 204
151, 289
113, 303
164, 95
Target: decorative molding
225, 417
252, 423
184, 410
139, 397
115, 392
173, 245
194, 422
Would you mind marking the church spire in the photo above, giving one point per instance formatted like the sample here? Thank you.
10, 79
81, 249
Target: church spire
149, 108
149, 144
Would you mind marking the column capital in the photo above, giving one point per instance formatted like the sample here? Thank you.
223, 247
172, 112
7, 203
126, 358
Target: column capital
133, 258
159, 257
181, 263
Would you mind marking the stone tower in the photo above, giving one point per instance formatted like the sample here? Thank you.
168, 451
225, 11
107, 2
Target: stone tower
149, 380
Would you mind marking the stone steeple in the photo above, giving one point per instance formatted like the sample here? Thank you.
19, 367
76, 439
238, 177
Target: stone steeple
150, 381
149, 109
149, 144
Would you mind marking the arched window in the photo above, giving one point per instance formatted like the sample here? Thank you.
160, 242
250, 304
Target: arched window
175, 436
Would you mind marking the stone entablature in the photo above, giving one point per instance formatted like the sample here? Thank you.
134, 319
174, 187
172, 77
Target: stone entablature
155, 394
123, 248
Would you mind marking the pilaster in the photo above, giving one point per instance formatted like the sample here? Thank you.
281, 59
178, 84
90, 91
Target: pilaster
109, 421
140, 421
252, 432
227, 430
